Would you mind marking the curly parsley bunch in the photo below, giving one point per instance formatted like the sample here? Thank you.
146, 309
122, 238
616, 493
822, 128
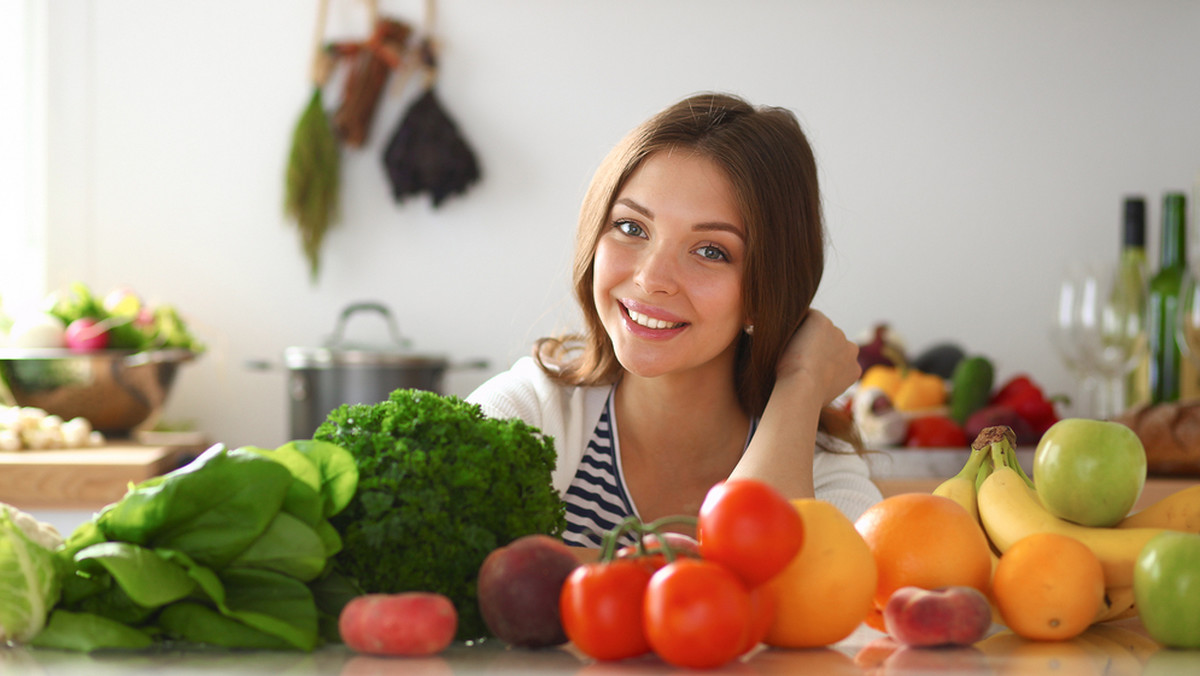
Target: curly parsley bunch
440, 486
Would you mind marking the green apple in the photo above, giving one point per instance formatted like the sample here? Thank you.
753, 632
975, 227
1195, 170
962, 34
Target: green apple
1089, 471
1166, 588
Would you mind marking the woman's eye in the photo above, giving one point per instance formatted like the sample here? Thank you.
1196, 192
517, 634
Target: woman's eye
630, 228
712, 253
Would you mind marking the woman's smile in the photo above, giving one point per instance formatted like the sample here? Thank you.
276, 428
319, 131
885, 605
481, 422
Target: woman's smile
647, 322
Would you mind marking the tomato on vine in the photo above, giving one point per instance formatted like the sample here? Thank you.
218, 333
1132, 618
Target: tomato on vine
749, 527
601, 608
698, 614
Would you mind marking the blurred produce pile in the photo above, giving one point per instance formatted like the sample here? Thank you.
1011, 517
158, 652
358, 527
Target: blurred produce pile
26, 428
79, 320
941, 397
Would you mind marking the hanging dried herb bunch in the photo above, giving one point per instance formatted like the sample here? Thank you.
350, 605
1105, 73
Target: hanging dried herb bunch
313, 176
427, 152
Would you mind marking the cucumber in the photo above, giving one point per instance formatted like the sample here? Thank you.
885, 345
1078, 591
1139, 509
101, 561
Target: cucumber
970, 387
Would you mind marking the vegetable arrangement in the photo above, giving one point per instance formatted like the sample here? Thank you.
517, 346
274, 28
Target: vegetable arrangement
80, 320
692, 611
231, 550
941, 398
439, 487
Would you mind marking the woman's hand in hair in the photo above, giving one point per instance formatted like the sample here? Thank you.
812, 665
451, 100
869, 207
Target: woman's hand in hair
820, 352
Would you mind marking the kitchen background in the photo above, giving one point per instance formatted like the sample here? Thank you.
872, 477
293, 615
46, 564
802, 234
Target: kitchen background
969, 151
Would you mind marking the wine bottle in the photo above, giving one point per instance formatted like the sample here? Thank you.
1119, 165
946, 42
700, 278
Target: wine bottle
1129, 294
1162, 303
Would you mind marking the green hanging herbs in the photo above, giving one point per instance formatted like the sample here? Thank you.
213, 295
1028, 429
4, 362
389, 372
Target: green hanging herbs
313, 171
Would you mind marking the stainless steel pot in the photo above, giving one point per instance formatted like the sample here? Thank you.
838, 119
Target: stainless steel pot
321, 379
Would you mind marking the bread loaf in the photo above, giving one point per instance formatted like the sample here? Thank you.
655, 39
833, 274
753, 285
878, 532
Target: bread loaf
1170, 434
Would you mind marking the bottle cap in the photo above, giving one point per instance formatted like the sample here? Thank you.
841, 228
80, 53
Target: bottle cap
1134, 233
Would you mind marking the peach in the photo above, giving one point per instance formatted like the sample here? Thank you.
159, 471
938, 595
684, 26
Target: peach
956, 615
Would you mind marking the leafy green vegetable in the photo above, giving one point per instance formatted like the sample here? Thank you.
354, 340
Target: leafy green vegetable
85, 632
439, 487
130, 324
29, 582
220, 551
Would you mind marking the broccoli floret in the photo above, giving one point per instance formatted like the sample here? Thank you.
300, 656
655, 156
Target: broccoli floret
440, 486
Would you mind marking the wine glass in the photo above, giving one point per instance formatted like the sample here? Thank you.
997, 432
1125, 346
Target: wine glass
1188, 325
1065, 336
1112, 333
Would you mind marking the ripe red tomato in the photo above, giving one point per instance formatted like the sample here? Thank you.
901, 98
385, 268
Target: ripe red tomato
750, 528
697, 614
601, 608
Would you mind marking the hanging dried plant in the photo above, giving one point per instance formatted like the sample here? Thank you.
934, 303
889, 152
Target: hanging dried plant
313, 177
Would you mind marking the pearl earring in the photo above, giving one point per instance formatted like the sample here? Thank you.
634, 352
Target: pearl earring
749, 329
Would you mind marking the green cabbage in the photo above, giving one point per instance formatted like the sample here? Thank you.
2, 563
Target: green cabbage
29, 581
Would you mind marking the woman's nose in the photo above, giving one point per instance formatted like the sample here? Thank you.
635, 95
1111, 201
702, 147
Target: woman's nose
657, 271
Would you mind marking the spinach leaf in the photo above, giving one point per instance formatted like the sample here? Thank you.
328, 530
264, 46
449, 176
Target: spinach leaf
338, 471
86, 632
149, 579
272, 603
197, 623
287, 546
211, 509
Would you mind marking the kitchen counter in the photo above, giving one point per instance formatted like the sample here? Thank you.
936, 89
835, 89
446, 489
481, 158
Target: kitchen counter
1117, 648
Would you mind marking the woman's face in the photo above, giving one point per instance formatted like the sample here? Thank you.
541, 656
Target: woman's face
668, 267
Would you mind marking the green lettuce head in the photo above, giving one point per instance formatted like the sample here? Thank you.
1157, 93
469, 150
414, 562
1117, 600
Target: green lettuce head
29, 582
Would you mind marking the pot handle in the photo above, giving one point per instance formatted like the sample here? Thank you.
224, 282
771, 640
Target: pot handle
335, 340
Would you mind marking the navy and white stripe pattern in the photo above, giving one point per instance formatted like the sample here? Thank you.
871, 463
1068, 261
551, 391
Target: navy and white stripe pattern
596, 500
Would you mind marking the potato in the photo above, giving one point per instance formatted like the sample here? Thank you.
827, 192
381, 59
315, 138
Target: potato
408, 624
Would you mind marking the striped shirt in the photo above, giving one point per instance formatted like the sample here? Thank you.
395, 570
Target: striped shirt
596, 500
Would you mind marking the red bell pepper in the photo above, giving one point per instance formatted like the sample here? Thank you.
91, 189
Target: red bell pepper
1027, 399
935, 431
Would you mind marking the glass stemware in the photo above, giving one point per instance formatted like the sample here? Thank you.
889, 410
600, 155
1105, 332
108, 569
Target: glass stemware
1100, 335
1188, 326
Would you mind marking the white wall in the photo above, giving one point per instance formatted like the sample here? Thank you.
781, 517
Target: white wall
968, 151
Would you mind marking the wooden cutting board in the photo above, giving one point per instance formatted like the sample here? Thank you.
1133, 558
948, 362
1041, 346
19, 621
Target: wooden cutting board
87, 478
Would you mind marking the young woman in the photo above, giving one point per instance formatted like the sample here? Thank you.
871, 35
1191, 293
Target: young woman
700, 248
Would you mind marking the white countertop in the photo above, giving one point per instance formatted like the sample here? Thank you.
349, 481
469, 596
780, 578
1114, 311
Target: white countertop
1119, 648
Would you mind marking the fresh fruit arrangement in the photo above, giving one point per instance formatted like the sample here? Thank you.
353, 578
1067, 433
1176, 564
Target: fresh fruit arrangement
1057, 572
697, 610
80, 321
940, 398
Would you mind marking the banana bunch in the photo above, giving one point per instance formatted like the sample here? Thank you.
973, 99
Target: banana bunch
993, 487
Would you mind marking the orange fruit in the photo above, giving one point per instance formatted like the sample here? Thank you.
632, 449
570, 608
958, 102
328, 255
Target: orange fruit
925, 541
1048, 587
825, 592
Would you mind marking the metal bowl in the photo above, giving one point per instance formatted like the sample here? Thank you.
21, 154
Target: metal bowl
115, 390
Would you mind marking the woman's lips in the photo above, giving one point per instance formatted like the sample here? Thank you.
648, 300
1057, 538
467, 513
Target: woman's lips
647, 322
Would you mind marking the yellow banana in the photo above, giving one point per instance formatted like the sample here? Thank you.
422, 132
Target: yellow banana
961, 487
1010, 510
1178, 511
1118, 659
1118, 604
1138, 643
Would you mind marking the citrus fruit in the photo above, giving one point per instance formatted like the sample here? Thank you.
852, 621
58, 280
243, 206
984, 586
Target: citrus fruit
825, 592
927, 541
1048, 587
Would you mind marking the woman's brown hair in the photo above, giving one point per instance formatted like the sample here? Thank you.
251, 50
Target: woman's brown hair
770, 165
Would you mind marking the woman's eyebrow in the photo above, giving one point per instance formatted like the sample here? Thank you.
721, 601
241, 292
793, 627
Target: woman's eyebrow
636, 207
707, 226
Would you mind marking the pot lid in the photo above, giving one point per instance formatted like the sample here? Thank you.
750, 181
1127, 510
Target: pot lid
337, 351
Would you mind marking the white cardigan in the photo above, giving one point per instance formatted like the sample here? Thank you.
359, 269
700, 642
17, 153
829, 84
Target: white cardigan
569, 415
